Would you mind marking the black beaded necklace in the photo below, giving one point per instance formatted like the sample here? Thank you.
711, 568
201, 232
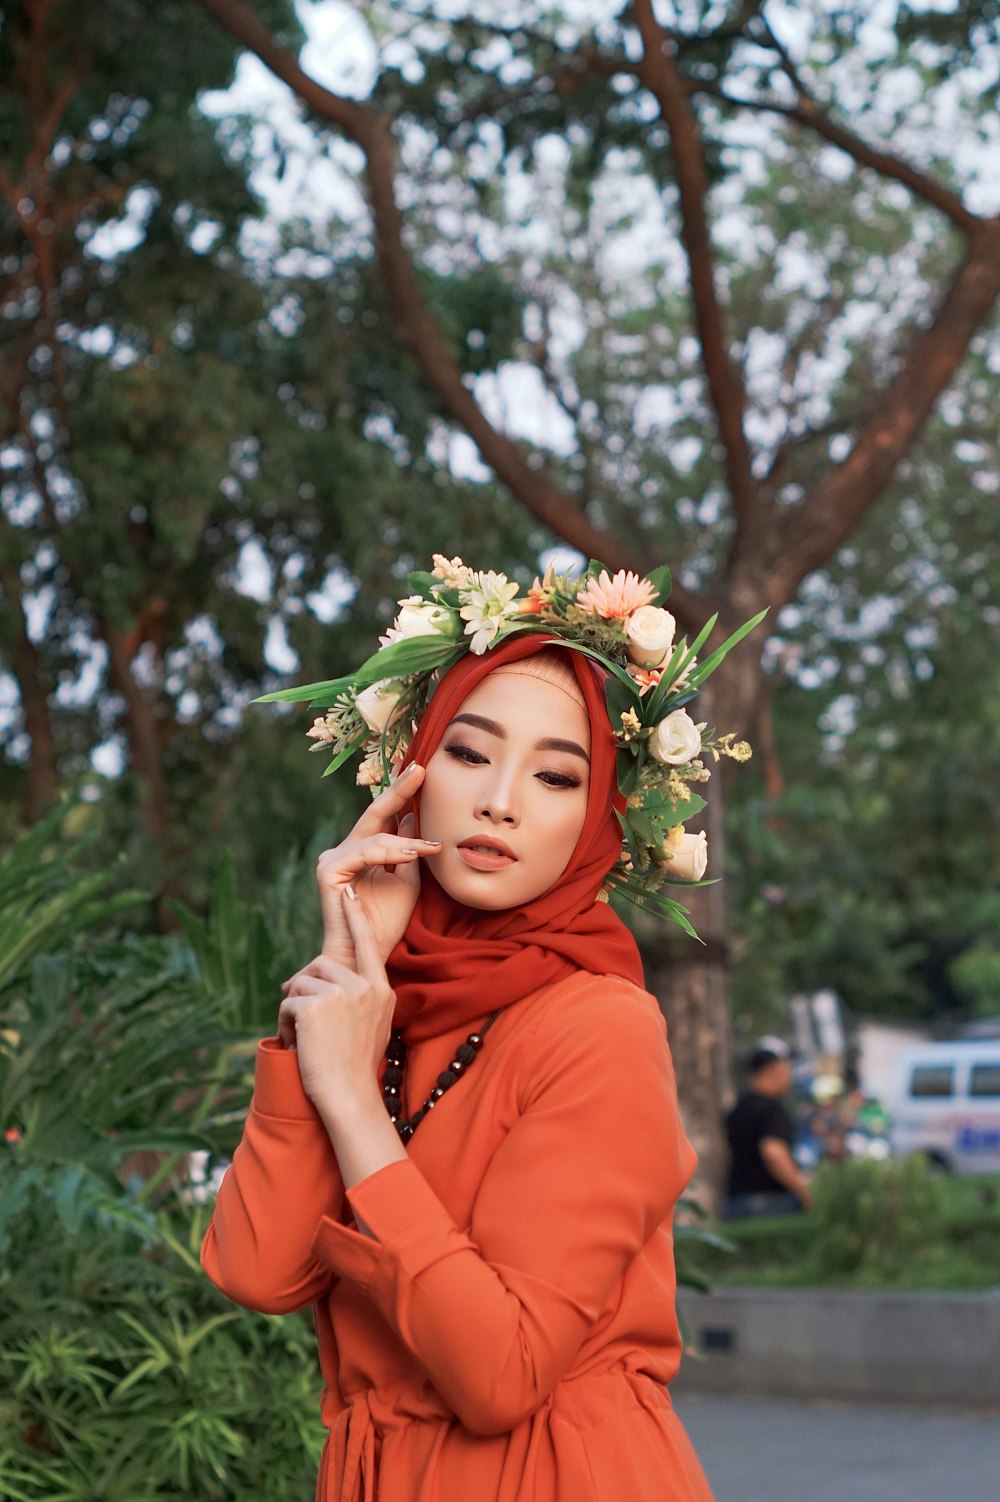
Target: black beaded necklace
395, 1066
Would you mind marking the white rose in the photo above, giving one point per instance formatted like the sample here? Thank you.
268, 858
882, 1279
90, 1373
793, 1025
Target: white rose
378, 705
650, 633
676, 740
419, 617
688, 855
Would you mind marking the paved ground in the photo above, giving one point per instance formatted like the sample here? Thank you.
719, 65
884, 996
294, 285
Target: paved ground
767, 1450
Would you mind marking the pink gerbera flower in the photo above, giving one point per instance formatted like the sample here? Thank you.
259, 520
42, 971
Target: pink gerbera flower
615, 599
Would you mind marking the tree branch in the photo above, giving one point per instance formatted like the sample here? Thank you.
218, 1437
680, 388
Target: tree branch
660, 74
809, 112
792, 443
236, 17
813, 117
416, 327
810, 532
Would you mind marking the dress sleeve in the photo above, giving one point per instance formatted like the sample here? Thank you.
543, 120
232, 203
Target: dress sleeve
589, 1170
282, 1180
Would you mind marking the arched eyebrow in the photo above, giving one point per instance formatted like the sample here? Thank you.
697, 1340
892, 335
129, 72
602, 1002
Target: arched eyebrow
493, 727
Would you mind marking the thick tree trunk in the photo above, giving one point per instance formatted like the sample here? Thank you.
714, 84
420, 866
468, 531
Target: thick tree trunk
42, 780
145, 744
690, 983
690, 980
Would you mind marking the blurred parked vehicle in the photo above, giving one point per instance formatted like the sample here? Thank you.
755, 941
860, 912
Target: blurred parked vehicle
946, 1105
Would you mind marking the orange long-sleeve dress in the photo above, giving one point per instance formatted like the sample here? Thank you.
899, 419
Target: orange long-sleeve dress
506, 1332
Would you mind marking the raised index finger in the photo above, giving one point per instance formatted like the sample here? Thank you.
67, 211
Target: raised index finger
366, 951
382, 813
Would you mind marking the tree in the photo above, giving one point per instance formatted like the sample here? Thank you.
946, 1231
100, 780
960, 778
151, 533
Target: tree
799, 430
864, 857
175, 420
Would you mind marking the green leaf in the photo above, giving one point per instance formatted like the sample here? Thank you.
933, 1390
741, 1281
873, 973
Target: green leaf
679, 662
642, 826
401, 659
702, 1236
652, 704
628, 772
323, 693
344, 755
162, 1140
697, 1280
662, 583
711, 663
663, 907
614, 668
619, 700
667, 814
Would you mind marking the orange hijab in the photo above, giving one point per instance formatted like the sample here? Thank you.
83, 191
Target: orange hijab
452, 956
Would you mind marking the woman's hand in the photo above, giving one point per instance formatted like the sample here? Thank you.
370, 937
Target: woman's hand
339, 1018
379, 859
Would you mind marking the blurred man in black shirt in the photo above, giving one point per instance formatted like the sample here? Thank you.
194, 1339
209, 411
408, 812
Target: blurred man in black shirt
764, 1178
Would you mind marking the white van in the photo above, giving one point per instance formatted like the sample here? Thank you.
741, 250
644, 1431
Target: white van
946, 1104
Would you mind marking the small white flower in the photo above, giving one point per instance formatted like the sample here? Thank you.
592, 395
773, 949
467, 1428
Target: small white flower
486, 606
451, 571
676, 740
650, 633
378, 705
370, 769
688, 853
323, 731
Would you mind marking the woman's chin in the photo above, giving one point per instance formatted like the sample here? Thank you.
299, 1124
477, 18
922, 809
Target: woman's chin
485, 890
477, 895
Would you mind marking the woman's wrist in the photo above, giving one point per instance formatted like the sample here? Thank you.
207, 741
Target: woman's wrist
351, 1107
363, 1136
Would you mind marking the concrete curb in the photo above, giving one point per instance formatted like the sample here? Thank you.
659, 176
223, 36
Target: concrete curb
817, 1343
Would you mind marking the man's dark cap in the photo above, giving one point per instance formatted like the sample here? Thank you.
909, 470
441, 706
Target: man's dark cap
766, 1051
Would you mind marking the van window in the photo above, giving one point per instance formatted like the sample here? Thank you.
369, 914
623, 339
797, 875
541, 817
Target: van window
933, 1080
985, 1079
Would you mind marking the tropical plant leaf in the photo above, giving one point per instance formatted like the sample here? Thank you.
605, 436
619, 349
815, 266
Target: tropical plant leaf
401, 659
343, 755
655, 902
662, 583
323, 693
711, 663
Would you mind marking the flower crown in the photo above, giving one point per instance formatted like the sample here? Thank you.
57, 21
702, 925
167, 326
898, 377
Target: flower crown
620, 622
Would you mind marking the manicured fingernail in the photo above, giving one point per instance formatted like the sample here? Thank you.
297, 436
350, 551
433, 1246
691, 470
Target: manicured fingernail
430, 842
409, 852
350, 893
411, 769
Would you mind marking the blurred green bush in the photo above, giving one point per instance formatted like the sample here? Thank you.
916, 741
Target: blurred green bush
124, 1375
870, 1216
876, 1225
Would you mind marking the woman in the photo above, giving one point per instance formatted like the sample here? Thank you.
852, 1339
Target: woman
494, 1292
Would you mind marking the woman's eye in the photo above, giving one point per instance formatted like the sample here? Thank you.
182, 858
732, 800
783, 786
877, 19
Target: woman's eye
466, 754
559, 779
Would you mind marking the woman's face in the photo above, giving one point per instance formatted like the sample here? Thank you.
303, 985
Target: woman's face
506, 791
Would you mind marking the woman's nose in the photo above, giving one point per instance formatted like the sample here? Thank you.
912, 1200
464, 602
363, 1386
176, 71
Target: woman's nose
498, 805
